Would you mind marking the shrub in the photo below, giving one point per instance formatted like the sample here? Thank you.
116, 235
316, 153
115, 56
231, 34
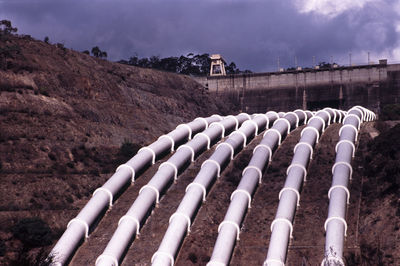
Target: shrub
390, 112
128, 149
33, 232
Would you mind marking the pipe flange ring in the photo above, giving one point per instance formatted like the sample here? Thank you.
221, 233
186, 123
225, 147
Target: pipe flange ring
300, 166
236, 120
255, 126
107, 191
297, 117
254, 168
204, 120
246, 114
187, 218
277, 132
313, 129
217, 116
266, 118
82, 222
349, 126
188, 128
273, 113
173, 167
353, 115
190, 149
343, 163
170, 139
286, 121
135, 220
329, 115
339, 219
319, 118
202, 187
328, 109
231, 223
359, 111
245, 192
230, 147
153, 189
290, 189
308, 145
171, 258
107, 256
207, 138
285, 221
266, 147
267, 261
151, 151
304, 113
215, 163
242, 134
342, 187
130, 168
221, 126
215, 263
348, 142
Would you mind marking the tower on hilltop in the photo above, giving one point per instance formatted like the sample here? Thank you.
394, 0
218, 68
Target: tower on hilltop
217, 65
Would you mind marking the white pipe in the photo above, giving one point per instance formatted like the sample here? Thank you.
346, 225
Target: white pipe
335, 225
103, 197
180, 221
228, 231
149, 195
289, 196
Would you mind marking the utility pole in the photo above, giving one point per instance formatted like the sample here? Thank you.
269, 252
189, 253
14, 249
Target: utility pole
368, 58
349, 59
313, 61
295, 61
279, 67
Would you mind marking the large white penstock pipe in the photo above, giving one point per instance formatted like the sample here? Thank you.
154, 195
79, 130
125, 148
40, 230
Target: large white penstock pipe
229, 229
289, 196
103, 197
335, 225
196, 191
149, 195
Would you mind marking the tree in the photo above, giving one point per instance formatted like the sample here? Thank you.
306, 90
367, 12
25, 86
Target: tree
96, 52
6, 27
46, 39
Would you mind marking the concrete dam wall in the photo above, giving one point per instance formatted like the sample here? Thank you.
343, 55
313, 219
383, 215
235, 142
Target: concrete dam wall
371, 86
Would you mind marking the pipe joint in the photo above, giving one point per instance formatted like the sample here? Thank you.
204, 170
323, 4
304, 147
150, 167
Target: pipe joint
297, 117
273, 113
277, 132
259, 172
286, 121
266, 147
231, 223
284, 220
173, 167
307, 145
215, 263
190, 149
349, 126
81, 222
353, 147
130, 168
254, 124
243, 136
153, 189
203, 120
190, 132
353, 115
265, 117
107, 257
215, 163
320, 119
170, 139
151, 151
300, 166
343, 163
163, 253
230, 147
338, 219
221, 126
326, 112
313, 129
342, 187
187, 218
207, 138
217, 116
203, 189
290, 189
236, 121
245, 192
304, 113
273, 261
135, 220
107, 191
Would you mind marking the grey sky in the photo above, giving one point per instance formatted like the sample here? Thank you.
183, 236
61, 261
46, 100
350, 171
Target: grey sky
253, 34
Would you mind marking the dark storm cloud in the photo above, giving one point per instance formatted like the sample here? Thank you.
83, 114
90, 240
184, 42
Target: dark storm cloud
251, 33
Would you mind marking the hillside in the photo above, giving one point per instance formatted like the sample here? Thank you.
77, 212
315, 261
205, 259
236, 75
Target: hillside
63, 118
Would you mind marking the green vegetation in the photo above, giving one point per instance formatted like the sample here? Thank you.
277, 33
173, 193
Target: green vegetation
96, 52
33, 232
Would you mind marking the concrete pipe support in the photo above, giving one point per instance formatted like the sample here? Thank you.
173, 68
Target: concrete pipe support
149, 195
103, 197
339, 195
289, 196
229, 229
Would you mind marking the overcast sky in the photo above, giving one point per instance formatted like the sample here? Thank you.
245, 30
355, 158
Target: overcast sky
251, 33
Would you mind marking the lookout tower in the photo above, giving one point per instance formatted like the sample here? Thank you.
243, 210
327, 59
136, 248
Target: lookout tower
217, 65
